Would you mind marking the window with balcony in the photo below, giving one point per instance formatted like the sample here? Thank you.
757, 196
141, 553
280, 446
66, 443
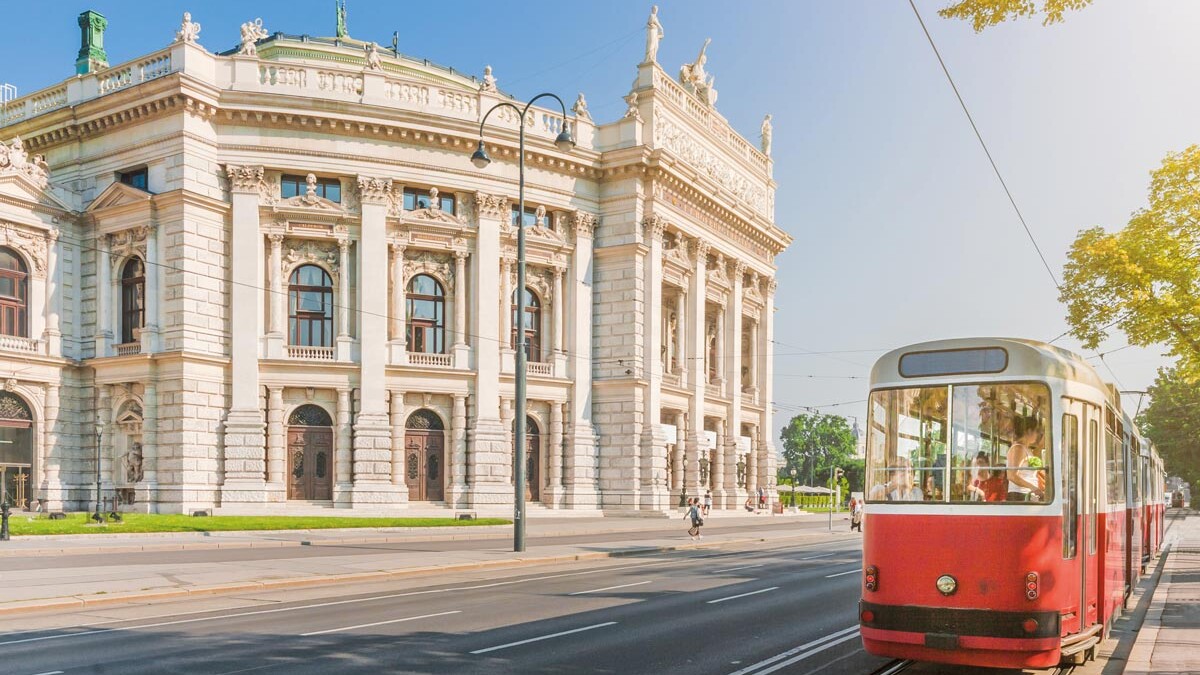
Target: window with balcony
14, 294
310, 307
425, 310
297, 186
415, 198
138, 178
133, 299
531, 326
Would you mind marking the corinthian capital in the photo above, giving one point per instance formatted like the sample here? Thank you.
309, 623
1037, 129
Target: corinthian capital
492, 206
584, 222
702, 249
736, 269
244, 179
654, 225
374, 190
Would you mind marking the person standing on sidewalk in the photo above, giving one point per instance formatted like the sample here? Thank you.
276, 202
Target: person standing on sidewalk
693, 513
856, 515
707, 501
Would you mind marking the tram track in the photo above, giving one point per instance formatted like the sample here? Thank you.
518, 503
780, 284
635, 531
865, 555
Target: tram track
893, 667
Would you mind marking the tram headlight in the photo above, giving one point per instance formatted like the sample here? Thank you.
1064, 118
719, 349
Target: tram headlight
947, 584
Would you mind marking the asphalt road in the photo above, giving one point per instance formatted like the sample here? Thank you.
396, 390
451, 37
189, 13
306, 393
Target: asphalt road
782, 608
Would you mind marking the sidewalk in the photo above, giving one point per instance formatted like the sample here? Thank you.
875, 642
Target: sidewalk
1169, 640
38, 576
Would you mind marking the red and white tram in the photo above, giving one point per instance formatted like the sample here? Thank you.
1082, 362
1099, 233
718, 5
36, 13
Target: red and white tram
1011, 505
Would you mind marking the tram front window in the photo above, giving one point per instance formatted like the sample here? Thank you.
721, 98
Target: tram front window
986, 443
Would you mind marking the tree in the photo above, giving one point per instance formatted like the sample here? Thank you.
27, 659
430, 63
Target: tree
1144, 279
1172, 422
814, 443
986, 13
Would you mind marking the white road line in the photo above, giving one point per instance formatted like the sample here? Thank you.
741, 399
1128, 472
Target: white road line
805, 655
823, 555
379, 623
734, 569
544, 637
735, 597
842, 574
610, 588
51, 672
840, 636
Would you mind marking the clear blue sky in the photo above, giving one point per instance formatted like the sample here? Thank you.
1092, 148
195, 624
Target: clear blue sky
902, 232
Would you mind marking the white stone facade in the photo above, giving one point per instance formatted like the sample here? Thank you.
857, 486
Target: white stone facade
650, 257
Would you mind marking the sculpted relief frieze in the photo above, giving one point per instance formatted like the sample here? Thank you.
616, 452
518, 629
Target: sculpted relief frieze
439, 265
301, 251
33, 244
128, 243
674, 137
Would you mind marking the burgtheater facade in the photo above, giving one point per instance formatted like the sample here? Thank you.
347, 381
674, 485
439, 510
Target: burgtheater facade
271, 279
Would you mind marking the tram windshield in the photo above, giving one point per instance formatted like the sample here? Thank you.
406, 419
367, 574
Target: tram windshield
971, 443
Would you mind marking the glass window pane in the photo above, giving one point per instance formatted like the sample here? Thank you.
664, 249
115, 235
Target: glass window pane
410, 200
331, 190
447, 203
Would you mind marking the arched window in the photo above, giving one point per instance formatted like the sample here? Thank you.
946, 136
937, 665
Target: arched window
424, 420
14, 294
426, 315
532, 325
310, 307
310, 415
133, 299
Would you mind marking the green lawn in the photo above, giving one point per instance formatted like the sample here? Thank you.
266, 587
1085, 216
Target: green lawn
77, 523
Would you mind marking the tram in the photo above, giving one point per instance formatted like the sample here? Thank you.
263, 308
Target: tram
1011, 505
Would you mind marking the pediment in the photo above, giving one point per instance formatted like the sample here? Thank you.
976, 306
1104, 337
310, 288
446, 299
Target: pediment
25, 188
118, 194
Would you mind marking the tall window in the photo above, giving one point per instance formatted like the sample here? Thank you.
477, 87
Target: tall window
297, 186
425, 199
133, 299
14, 294
532, 325
426, 312
310, 307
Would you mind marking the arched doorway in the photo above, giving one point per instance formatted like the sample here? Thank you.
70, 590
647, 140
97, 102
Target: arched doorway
16, 449
310, 454
425, 457
533, 461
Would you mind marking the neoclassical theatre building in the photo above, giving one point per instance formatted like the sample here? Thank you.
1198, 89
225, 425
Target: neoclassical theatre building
271, 279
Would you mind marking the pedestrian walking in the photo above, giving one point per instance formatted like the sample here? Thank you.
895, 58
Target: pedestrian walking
693, 513
856, 515
762, 498
707, 501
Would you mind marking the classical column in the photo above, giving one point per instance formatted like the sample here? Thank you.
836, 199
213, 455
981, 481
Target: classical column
54, 295
103, 295
653, 470
678, 469
722, 358
766, 454
105, 421
245, 430
487, 437
681, 337
276, 445
372, 430
147, 490
51, 490
341, 452
278, 288
734, 495
460, 299
753, 356
558, 348
152, 302
458, 449
717, 479
506, 293
555, 451
580, 477
506, 421
399, 300
396, 403
343, 282
696, 346
752, 467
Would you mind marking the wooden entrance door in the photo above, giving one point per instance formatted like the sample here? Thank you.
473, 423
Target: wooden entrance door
533, 461
310, 463
424, 464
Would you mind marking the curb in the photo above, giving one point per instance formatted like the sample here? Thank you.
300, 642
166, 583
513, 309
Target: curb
80, 602
1138, 661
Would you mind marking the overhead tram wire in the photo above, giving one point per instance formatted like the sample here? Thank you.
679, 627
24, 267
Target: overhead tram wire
995, 168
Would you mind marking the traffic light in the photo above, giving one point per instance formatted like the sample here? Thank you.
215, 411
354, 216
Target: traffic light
838, 473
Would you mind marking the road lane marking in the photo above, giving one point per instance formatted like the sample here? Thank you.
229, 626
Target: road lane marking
610, 588
841, 635
51, 672
823, 555
379, 623
842, 574
735, 597
734, 569
544, 637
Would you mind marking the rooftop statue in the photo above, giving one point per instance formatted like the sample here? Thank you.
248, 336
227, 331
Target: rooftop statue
340, 8
189, 31
654, 34
695, 79
766, 135
489, 82
632, 111
252, 32
580, 108
15, 159
373, 60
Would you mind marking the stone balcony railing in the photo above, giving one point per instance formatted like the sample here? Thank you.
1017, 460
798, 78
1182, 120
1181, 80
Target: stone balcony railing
671, 379
539, 368
714, 390
128, 349
303, 353
12, 343
434, 360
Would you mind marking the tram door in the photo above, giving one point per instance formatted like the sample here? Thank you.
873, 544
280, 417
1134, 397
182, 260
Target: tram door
1091, 426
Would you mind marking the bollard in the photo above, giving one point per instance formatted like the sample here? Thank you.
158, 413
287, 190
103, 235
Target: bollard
4, 511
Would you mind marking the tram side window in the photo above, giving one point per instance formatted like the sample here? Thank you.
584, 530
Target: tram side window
1115, 462
907, 443
1070, 446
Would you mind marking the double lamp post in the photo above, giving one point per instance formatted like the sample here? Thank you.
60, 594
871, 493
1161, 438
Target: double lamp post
480, 159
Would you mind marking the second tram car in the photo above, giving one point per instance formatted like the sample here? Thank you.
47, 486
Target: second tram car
1011, 505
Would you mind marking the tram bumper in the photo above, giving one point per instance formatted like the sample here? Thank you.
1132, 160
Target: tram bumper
962, 636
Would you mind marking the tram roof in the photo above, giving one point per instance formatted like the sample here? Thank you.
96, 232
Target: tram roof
1026, 359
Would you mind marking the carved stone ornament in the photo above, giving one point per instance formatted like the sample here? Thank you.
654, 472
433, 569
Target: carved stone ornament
433, 212
751, 291
244, 178
581, 108
654, 226
127, 243
680, 141
771, 286
310, 198
10, 384
492, 206
188, 31
584, 223
252, 32
631, 110
654, 35
766, 131
32, 244
716, 272
15, 160
702, 249
696, 80
489, 81
373, 60
374, 190
439, 265
675, 249
737, 269
301, 251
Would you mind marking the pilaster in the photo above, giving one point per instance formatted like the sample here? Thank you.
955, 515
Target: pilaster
695, 359
276, 446
653, 491
580, 476
734, 495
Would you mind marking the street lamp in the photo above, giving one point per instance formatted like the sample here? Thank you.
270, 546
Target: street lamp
793, 472
480, 159
99, 435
